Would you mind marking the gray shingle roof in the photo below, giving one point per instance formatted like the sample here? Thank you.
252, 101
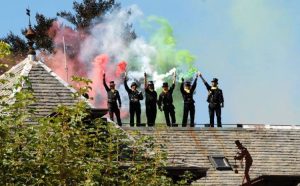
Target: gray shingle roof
274, 151
49, 89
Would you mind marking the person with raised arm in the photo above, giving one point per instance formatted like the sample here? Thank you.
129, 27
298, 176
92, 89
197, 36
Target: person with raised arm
165, 101
215, 100
113, 97
134, 101
150, 102
187, 92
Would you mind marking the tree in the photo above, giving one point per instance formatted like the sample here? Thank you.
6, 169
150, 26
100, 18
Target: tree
86, 11
71, 148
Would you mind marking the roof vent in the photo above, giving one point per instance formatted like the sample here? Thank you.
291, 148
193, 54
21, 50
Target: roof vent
220, 162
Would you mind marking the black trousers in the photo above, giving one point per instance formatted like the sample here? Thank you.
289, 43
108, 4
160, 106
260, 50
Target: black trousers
214, 109
135, 109
151, 111
188, 108
114, 109
169, 111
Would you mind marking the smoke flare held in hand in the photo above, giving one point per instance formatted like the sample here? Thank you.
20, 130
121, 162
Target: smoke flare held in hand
105, 48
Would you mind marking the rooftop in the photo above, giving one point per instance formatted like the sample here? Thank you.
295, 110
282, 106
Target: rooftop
49, 89
274, 151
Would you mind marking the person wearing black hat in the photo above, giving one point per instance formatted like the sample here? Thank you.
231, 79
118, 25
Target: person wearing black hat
244, 153
165, 102
187, 91
150, 102
134, 102
113, 97
215, 100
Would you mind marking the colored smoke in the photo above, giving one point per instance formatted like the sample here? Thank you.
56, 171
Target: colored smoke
106, 50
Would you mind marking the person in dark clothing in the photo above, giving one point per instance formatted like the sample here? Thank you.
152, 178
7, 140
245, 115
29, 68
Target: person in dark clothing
134, 102
244, 153
165, 102
150, 102
215, 100
113, 97
187, 92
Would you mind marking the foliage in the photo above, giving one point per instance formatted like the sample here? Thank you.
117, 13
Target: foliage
4, 49
71, 148
86, 11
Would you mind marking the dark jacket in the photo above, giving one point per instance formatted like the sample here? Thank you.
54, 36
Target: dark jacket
134, 96
151, 98
112, 96
215, 96
188, 97
166, 98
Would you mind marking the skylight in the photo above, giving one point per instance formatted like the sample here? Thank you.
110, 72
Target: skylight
220, 162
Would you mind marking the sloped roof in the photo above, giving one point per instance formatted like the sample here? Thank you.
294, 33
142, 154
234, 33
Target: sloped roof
274, 151
49, 89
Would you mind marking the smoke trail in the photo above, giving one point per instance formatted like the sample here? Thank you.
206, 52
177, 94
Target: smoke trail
106, 49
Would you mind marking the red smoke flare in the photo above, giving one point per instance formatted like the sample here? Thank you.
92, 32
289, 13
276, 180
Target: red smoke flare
121, 68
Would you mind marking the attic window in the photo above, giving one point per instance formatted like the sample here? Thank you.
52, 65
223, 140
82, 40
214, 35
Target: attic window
220, 162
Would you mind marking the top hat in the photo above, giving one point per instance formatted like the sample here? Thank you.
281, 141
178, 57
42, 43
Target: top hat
215, 80
150, 83
165, 84
133, 84
187, 83
237, 142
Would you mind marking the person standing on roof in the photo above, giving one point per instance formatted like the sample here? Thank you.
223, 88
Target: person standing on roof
244, 153
215, 100
113, 97
150, 102
134, 102
165, 102
187, 91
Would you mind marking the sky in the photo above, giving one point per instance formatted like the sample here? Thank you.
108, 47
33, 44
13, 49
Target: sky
251, 46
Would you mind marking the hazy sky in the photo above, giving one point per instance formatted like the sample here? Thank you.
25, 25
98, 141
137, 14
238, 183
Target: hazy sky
252, 46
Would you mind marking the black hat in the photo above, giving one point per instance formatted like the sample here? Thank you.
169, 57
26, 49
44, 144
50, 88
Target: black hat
150, 83
187, 83
111, 82
215, 80
237, 142
133, 84
165, 84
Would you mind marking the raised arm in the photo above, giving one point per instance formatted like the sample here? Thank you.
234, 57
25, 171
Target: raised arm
194, 84
104, 83
208, 87
174, 78
125, 83
181, 86
145, 81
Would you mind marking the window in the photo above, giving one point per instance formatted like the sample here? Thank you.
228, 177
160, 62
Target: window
220, 162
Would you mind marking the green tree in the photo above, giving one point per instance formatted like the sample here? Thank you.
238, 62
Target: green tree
86, 11
71, 148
